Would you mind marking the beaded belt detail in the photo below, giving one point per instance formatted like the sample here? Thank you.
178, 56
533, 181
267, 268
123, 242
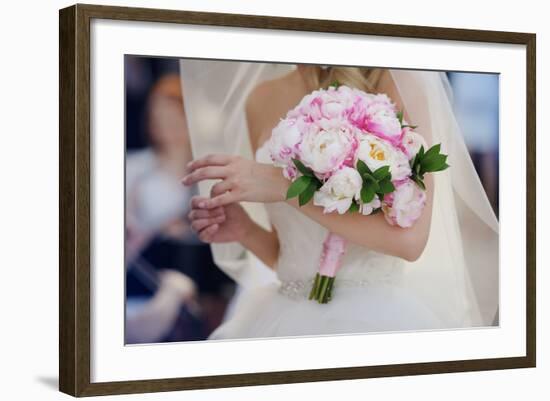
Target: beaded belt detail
299, 289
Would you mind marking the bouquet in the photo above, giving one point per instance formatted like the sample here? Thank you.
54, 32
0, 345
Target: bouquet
352, 152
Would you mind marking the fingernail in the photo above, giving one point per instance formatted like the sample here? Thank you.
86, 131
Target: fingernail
202, 204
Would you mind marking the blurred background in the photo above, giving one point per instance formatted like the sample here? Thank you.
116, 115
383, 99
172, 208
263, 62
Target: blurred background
174, 291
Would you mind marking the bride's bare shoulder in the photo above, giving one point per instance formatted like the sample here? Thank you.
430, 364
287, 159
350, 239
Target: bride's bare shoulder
266, 104
278, 84
273, 91
265, 88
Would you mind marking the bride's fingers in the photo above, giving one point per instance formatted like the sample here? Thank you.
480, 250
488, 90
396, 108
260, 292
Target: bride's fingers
205, 173
220, 188
210, 160
201, 224
206, 234
198, 203
221, 200
195, 200
195, 214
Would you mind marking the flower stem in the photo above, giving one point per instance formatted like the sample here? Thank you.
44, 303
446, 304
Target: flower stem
329, 291
321, 290
315, 288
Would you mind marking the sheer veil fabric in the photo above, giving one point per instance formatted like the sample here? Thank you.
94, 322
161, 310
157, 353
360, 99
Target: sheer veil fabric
215, 98
457, 274
458, 270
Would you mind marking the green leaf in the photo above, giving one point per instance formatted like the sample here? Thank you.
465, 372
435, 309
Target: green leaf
433, 163
443, 167
371, 182
434, 150
367, 194
381, 172
414, 161
335, 83
427, 162
419, 182
438, 158
317, 182
354, 207
363, 168
369, 178
302, 169
399, 116
428, 165
298, 186
386, 187
307, 194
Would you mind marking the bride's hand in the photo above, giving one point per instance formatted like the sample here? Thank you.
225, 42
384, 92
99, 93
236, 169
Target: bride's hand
228, 223
241, 180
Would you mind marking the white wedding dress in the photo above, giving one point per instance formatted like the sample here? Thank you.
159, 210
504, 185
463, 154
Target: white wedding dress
370, 294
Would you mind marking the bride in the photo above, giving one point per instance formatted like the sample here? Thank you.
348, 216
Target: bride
377, 288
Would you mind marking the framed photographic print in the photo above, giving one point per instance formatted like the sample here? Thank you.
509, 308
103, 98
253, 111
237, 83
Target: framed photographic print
250, 200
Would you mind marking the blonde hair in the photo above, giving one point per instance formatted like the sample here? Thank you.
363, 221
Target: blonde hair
362, 78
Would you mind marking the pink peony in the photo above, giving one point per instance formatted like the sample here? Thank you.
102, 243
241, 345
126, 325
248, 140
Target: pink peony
377, 115
382, 120
290, 172
284, 140
404, 206
322, 104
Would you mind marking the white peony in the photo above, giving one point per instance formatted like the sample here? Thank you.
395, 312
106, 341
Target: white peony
368, 208
377, 153
339, 191
332, 108
326, 144
284, 139
412, 143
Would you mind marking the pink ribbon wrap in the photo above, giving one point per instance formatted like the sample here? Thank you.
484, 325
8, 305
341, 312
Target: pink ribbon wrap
331, 257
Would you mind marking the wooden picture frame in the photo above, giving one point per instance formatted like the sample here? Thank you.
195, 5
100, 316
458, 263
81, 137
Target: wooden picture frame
75, 201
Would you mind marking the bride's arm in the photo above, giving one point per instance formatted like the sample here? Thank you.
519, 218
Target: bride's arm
374, 232
246, 180
371, 231
262, 243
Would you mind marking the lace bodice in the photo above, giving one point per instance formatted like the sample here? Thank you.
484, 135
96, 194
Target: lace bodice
301, 240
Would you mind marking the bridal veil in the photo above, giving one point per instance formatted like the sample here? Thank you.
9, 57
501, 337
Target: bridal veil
457, 274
